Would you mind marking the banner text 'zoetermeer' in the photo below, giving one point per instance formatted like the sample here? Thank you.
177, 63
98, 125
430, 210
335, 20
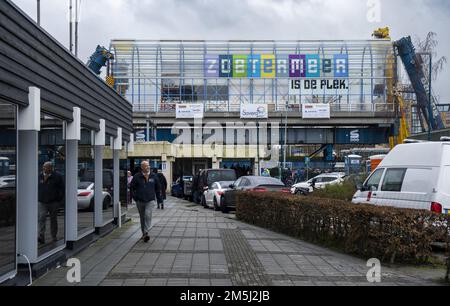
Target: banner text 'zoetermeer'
271, 66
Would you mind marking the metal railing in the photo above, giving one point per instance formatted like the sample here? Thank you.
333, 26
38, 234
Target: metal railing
225, 107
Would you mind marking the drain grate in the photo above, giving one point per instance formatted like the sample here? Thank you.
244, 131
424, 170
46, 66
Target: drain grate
244, 266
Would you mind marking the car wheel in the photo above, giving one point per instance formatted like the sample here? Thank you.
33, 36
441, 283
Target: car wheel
223, 206
216, 206
106, 203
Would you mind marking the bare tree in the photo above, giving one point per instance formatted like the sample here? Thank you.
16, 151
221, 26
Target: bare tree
429, 44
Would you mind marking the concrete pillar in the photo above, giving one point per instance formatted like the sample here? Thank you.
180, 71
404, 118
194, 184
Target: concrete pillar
167, 170
73, 136
29, 126
116, 161
98, 187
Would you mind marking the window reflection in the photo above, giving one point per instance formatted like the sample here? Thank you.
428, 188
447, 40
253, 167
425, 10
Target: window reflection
51, 185
8, 145
108, 180
86, 166
125, 179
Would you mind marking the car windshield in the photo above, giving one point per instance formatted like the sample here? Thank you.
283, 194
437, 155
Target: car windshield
84, 185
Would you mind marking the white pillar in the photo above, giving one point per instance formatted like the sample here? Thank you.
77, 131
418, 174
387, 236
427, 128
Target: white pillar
98, 187
118, 145
29, 126
73, 136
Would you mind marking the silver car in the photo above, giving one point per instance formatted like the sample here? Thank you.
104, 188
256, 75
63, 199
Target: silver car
86, 197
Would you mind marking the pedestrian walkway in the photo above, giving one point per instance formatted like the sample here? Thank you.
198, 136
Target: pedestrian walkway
193, 246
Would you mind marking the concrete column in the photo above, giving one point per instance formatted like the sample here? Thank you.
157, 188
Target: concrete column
118, 145
29, 126
73, 136
98, 187
167, 170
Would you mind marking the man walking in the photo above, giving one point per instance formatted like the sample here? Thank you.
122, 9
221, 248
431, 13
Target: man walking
51, 192
146, 190
163, 183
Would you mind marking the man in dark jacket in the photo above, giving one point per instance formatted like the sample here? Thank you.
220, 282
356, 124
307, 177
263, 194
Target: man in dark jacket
51, 191
146, 191
163, 183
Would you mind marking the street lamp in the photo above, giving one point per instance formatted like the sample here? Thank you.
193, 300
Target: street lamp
39, 12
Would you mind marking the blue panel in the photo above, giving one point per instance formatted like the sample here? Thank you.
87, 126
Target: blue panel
341, 66
165, 135
254, 66
312, 66
226, 66
362, 136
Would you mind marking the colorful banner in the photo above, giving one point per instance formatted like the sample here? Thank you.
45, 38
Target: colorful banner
271, 66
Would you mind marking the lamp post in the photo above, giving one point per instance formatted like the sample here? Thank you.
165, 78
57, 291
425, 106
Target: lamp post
38, 12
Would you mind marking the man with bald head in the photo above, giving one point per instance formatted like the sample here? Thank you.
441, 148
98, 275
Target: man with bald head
51, 191
146, 191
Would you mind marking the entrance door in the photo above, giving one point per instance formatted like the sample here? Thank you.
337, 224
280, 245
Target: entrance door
197, 166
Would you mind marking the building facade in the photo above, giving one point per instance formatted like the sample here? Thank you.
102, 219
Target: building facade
61, 129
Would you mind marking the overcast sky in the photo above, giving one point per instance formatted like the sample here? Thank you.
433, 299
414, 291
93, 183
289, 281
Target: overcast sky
103, 20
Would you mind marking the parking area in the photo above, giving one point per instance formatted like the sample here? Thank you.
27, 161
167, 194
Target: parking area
193, 246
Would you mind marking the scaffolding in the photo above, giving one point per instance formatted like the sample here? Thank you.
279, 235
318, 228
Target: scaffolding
156, 75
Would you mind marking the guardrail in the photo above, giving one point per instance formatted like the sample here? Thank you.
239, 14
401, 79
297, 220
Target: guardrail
224, 107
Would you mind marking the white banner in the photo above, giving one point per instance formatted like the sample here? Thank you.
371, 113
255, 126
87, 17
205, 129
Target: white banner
189, 111
254, 111
316, 111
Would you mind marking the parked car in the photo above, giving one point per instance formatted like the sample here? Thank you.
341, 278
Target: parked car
86, 197
415, 176
212, 197
6, 180
318, 182
206, 178
251, 184
177, 189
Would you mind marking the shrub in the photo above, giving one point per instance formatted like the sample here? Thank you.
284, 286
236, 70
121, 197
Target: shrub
387, 233
344, 191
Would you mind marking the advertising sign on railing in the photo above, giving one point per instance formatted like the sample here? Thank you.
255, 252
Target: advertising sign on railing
189, 111
254, 111
316, 111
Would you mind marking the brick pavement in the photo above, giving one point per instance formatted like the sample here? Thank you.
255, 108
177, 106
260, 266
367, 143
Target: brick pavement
193, 246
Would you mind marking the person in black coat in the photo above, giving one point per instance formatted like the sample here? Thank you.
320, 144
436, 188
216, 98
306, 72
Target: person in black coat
51, 192
163, 184
146, 191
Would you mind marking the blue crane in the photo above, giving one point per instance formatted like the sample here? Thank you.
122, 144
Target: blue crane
99, 59
414, 67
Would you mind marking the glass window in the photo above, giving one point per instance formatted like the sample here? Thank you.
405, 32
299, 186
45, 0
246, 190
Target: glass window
420, 180
125, 178
108, 181
374, 181
8, 151
393, 180
86, 166
51, 184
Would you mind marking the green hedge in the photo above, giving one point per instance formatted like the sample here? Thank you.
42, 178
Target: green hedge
389, 234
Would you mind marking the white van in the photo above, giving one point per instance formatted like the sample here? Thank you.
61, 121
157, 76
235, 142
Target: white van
415, 175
